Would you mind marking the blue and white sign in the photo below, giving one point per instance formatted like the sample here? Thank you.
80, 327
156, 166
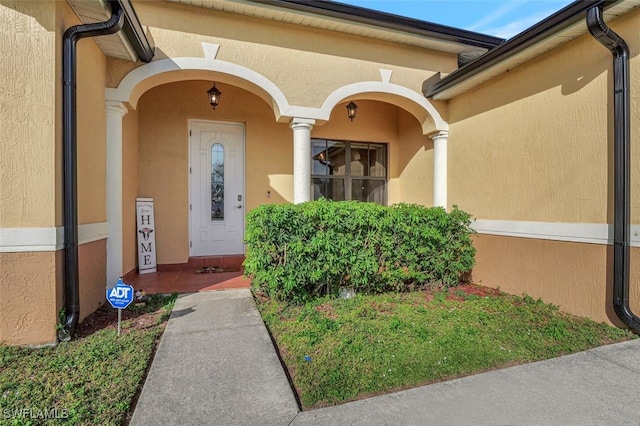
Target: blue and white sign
121, 295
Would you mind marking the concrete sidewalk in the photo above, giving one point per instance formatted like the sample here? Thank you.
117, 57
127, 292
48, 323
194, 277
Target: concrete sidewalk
216, 365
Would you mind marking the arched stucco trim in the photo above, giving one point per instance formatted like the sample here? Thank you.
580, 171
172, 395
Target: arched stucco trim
153, 74
143, 78
413, 102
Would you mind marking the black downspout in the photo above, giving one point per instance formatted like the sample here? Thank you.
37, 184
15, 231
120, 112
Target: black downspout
69, 136
622, 141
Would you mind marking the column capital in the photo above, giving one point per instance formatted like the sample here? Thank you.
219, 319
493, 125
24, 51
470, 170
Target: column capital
439, 134
116, 107
298, 122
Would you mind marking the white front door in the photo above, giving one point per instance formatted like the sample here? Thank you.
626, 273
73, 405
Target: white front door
216, 188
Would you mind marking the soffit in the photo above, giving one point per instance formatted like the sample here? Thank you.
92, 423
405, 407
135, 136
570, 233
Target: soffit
265, 11
113, 45
536, 50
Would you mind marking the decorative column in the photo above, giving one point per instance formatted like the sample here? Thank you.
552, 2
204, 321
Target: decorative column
301, 158
115, 112
440, 168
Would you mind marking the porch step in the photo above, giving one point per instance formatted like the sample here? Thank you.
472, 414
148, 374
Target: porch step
199, 262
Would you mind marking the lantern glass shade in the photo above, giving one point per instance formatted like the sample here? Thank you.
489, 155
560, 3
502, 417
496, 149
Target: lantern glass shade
351, 110
214, 96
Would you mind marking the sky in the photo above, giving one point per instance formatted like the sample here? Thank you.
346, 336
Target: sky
500, 18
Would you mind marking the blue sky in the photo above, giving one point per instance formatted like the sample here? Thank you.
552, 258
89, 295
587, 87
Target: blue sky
501, 18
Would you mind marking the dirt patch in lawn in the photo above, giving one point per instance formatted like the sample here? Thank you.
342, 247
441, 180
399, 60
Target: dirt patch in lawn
456, 293
107, 317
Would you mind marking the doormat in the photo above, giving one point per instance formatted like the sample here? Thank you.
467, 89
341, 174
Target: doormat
215, 269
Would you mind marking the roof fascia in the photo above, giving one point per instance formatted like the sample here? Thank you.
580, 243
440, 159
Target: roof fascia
564, 18
387, 20
134, 32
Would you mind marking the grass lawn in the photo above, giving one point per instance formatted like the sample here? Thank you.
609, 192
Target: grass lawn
344, 349
90, 380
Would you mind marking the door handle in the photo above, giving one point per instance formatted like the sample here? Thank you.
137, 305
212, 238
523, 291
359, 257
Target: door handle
239, 206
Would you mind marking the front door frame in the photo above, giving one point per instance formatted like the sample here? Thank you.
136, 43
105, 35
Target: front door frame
190, 123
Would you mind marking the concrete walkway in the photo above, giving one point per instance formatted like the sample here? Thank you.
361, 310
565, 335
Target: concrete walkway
216, 366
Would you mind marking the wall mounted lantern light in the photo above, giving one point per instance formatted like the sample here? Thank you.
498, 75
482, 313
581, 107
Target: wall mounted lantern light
351, 110
214, 96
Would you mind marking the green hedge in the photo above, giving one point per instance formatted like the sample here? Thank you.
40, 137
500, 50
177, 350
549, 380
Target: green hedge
296, 252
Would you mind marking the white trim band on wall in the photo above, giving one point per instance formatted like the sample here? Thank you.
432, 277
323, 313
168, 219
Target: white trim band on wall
16, 240
592, 233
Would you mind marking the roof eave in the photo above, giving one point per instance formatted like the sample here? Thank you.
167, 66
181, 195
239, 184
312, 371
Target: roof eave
564, 18
135, 33
386, 20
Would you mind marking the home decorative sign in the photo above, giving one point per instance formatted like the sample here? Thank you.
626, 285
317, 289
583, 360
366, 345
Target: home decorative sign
146, 236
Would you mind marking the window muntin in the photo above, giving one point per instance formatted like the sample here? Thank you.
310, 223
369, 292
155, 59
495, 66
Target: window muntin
343, 170
217, 182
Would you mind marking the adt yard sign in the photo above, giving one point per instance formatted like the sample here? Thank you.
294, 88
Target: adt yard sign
121, 295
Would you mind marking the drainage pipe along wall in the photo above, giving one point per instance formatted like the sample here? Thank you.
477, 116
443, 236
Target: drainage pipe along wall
70, 136
622, 135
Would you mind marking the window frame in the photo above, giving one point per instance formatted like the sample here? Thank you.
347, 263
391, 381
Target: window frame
348, 178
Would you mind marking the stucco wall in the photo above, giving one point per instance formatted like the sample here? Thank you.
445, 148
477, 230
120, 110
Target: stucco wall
31, 101
27, 107
547, 126
536, 144
92, 261
31, 288
284, 53
411, 164
29, 297
575, 276
91, 121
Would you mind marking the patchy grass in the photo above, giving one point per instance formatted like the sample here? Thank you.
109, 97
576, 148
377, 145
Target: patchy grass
337, 350
90, 380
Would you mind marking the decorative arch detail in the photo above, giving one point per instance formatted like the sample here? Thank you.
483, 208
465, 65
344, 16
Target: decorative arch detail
143, 78
395, 94
150, 75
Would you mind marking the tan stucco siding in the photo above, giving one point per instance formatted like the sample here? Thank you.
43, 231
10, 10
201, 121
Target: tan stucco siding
130, 187
535, 144
575, 276
31, 157
92, 262
32, 294
29, 297
411, 164
91, 121
306, 64
532, 144
27, 108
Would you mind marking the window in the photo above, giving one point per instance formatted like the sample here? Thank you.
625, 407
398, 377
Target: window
217, 182
342, 170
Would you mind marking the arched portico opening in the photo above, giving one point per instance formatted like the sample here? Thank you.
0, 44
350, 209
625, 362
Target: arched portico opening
281, 170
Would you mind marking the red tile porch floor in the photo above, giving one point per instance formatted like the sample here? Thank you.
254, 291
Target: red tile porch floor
183, 278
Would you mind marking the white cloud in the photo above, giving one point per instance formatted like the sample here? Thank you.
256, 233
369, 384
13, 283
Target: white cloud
512, 28
496, 14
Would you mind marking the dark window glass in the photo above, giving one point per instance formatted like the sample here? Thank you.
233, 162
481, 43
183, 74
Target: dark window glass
331, 189
349, 170
217, 182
